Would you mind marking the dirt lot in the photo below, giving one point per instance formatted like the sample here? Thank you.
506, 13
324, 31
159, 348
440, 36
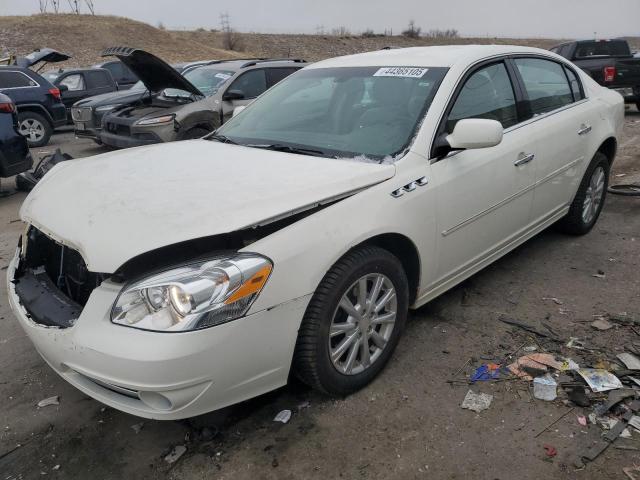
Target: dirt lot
407, 424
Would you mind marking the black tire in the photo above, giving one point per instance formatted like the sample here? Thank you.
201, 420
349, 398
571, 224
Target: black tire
195, 133
312, 363
630, 190
638, 106
35, 119
573, 223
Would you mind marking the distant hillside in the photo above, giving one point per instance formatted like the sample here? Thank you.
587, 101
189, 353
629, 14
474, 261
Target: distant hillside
85, 36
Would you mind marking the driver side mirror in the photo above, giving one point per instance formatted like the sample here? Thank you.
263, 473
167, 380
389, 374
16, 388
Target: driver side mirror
63, 88
472, 133
233, 95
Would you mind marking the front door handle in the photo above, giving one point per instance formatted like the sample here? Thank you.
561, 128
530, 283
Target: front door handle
584, 129
524, 158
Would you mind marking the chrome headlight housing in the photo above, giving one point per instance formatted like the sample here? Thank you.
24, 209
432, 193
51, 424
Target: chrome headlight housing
194, 296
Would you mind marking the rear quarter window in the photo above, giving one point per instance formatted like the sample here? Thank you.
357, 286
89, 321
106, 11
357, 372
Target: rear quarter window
12, 79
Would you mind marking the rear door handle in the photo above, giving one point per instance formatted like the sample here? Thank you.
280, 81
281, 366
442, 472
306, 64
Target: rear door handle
584, 129
524, 158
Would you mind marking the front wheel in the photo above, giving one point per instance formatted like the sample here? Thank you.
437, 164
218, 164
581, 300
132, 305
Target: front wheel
589, 200
195, 133
353, 322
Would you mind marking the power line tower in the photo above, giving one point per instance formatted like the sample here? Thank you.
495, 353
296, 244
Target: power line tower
225, 26
75, 8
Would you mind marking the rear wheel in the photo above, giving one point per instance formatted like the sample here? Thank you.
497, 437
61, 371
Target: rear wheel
638, 106
195, 133
35, 128
353, 322
589, 200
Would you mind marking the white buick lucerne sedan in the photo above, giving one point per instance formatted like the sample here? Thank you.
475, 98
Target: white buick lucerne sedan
172, 280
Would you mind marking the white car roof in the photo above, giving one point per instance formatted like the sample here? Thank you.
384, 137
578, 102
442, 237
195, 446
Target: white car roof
437, 56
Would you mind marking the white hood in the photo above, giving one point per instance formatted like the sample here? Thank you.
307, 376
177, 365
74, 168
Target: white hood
116, 206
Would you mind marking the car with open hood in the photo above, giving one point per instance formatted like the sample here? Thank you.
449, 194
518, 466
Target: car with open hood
87, 113
187, 106
171, 280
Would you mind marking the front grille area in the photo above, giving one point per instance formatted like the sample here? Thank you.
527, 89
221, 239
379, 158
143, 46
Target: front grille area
82, 114
52, 281
118, 129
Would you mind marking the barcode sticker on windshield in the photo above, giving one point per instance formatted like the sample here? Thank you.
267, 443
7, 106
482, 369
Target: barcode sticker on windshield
406, 72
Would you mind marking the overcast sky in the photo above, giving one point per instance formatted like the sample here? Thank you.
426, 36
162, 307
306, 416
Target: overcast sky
506, 18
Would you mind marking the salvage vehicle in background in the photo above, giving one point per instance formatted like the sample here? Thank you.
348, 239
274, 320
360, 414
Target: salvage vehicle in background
39, 103
296, 238
87, 114
123, 77
611, 63
14, 152
190, 106
76, 84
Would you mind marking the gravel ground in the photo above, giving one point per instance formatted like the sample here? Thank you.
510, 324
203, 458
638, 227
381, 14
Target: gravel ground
407, 424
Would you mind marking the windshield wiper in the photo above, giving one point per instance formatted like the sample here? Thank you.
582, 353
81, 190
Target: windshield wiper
278, 147
222, 139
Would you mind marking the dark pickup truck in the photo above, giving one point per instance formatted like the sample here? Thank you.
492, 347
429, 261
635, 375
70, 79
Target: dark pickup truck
609, 62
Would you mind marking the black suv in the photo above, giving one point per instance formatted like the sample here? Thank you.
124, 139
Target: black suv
14, 153
79, 83
124, 77
39, 103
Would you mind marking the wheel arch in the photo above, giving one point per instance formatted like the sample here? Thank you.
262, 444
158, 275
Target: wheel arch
609, 148
406, 251
36, 109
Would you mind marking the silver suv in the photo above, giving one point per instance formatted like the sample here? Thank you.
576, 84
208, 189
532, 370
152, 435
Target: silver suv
182, 107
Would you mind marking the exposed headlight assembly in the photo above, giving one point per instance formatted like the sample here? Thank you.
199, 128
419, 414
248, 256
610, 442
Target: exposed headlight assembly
156, 120
106, 108
195, 296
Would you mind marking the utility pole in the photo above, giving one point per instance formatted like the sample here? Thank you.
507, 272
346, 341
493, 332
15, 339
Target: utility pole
224, 22
43, 6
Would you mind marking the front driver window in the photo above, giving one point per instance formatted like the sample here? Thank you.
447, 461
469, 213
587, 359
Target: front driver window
488, 94
73, 82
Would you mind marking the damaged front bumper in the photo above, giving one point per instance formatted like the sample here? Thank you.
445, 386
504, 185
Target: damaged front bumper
162, 375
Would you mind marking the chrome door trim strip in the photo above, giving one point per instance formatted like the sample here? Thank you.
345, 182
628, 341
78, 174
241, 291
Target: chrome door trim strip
492, 208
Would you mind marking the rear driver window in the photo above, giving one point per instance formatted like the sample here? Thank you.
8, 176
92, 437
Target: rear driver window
546, 84
486, 94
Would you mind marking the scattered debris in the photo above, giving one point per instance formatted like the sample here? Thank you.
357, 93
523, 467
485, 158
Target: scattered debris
550, 450
303, 405
175, 454
477, 402
582, 420
630, 361
485, 372
137, 427
624, 319
530, 348
49, 401
600, 274
635, 422
614, 397
602, 324
56, 467
284, 416
632, 472
544, 388
579, 397
575, 342
554, 300
535, 364
554, 422
599, 380
529, 328
634, 379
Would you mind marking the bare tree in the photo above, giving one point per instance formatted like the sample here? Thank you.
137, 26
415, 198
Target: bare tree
341, 31
231, 40
412, 31
446, 34
43, 5
90, 6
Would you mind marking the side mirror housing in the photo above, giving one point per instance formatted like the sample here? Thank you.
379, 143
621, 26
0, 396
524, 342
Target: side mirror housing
233, 95
472, 133
63, 88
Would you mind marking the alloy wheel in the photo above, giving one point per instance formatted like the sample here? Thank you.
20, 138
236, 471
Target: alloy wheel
362, 323
594, 195
32, 129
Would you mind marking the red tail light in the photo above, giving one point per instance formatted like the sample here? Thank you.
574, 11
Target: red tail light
609, 74
7, 107
55, 92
